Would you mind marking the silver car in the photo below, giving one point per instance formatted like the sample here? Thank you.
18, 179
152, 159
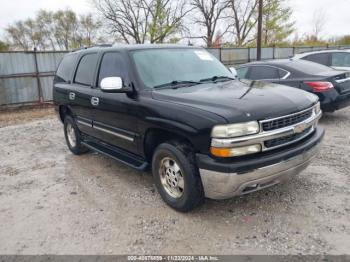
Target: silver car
338, 59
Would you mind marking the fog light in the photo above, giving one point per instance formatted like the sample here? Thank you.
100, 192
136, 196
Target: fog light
236, 151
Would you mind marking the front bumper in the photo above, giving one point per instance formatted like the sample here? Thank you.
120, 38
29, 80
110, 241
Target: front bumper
226, 180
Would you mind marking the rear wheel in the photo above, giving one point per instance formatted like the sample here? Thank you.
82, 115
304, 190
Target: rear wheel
73, 136
176, 176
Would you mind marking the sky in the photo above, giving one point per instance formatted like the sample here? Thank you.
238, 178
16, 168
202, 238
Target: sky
335, 11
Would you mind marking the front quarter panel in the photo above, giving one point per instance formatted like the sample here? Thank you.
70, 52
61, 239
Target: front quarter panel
193, 124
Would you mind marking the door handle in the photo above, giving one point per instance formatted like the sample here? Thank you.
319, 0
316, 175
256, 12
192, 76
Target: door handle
71, 96
95, 101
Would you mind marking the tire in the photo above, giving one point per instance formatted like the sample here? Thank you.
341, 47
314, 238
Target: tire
186, 192
73, 136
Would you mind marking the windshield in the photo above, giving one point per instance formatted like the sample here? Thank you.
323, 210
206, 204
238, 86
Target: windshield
157, 67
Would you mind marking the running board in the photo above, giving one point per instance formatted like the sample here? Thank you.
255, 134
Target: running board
120, 155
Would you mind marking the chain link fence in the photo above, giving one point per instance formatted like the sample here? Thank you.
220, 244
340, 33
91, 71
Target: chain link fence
26, 77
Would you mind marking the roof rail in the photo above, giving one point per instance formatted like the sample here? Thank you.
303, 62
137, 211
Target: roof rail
94, 46
325, 49
120, 45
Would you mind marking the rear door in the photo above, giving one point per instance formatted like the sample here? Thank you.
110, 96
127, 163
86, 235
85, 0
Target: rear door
264, 73
81, 92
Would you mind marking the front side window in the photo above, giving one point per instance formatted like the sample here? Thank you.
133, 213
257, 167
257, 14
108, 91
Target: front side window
322, 58
341, 59
160, 66
263, 72
86, 70
112, 65
242, 72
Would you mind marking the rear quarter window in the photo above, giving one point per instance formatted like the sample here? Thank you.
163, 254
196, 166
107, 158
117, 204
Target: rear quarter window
66, 68
341, 59
322, 58
309, 68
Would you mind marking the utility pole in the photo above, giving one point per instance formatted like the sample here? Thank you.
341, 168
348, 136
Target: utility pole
260, 18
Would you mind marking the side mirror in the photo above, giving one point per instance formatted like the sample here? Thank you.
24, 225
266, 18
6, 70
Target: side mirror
234, 72
112, 85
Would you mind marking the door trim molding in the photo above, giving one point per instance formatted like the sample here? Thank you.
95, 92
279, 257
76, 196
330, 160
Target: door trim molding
123, 134
131, 139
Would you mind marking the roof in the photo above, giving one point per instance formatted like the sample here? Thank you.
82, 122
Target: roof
285, 63
130, 47
271, 62
321, 51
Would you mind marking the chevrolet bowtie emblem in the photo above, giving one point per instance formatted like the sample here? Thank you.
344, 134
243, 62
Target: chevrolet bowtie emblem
300, 128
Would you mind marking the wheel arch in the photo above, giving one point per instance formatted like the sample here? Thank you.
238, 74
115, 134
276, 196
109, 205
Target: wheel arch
156, 136
64, 110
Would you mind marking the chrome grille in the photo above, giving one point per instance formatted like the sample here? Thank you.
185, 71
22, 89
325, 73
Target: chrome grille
286, 121
287, 139
277, 132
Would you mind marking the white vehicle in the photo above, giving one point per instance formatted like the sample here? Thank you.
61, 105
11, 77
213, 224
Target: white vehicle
338, 59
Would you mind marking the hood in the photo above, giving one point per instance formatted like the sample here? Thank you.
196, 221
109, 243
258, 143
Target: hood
238, 101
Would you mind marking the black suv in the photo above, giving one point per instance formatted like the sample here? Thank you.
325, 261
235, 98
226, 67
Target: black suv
179, 111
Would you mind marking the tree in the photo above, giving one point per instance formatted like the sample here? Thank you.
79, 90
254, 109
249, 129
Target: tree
66, 29
345, 40
45, 23
139, 21
4, 46
88, 30
125, 18
318, 23
54, 30
244, 15
167, 17
17, 36
209, 14
34, 34
277, 24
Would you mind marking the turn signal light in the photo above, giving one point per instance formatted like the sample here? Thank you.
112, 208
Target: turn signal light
236, 151
320, 86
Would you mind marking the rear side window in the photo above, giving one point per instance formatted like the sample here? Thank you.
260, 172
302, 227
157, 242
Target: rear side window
112, 65
309, 68
322, 58
282, 73
86, 70
65, 69
263, 72
341, 59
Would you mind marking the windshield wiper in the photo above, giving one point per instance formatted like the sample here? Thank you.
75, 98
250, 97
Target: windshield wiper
215, 78
177, 83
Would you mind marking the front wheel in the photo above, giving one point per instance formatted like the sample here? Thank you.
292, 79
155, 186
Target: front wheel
73, 137
176, 176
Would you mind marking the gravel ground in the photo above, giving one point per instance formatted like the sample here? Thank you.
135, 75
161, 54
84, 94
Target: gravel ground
52, 202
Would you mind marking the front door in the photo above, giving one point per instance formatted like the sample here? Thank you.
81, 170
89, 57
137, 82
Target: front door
115, 116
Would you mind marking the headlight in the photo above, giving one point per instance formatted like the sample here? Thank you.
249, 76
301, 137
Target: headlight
235, 130
318, 108
235, 151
